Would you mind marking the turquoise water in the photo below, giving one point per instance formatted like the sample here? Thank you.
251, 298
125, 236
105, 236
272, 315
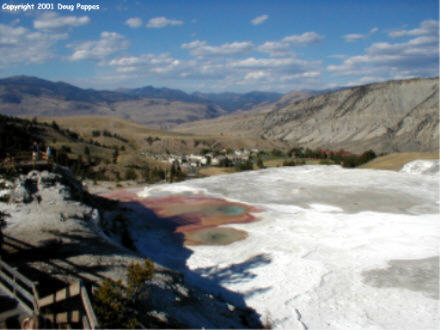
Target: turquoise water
231, 209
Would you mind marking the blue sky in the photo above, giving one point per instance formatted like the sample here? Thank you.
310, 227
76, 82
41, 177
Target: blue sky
221, 45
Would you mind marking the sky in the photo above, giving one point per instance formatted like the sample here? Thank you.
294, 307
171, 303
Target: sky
220, 45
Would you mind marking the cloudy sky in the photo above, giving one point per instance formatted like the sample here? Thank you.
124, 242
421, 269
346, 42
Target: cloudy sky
222, 45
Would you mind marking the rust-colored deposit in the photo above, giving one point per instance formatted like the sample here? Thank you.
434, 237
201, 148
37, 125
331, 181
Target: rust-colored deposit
197, 217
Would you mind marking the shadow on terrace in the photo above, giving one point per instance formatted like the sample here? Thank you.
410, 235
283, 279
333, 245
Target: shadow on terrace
155, 238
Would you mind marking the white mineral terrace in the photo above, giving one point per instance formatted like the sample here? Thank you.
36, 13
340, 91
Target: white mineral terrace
334, 248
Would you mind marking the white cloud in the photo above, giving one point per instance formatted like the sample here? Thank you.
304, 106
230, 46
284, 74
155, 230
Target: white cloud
282, 47
256, 75
259, 20
161, 22
19, 45
304, 39
214, 67
134, 22
352, 37
201, 48
159, 64
219, 72
52, 21
108, 44
275, 48
253, 62
276, 68
430, 27
415, 57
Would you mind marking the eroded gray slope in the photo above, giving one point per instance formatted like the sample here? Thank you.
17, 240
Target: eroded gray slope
390, 116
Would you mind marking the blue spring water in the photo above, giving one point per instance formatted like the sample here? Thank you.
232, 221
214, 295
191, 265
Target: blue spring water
231, 209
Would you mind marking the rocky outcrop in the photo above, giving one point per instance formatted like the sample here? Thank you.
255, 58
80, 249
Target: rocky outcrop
390, 116
59, 184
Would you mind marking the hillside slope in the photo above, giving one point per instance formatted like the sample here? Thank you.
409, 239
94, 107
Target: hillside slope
386, 117
246, 123
144, 139
395, 161
391, 116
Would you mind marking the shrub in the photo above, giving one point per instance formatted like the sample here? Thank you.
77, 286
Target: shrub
350, 161
325, 162
205, 151
111, 306
289, 162
130, 174
277, 153
260, 163
244, 166
115, 305
115, 155
137, 275
367, 156
149, 140
55, 125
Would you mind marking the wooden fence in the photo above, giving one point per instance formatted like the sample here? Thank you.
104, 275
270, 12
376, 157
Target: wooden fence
19, 286
24, 290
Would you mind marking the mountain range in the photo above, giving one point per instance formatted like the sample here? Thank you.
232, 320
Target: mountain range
157, 107
399, 115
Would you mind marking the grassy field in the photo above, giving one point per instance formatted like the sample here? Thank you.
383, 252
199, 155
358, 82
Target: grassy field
277, 162
160, 141
210, 171
395, 161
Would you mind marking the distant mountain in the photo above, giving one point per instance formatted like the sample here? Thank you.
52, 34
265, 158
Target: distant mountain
14, 88
228, 101
233, 101
162, 93
30, 96
390, 116
161, 108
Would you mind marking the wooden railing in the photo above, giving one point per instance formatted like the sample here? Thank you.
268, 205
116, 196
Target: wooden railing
19, 286
89, 320
24, 290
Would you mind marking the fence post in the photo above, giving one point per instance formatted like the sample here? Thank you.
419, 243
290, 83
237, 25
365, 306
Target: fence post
13, 286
